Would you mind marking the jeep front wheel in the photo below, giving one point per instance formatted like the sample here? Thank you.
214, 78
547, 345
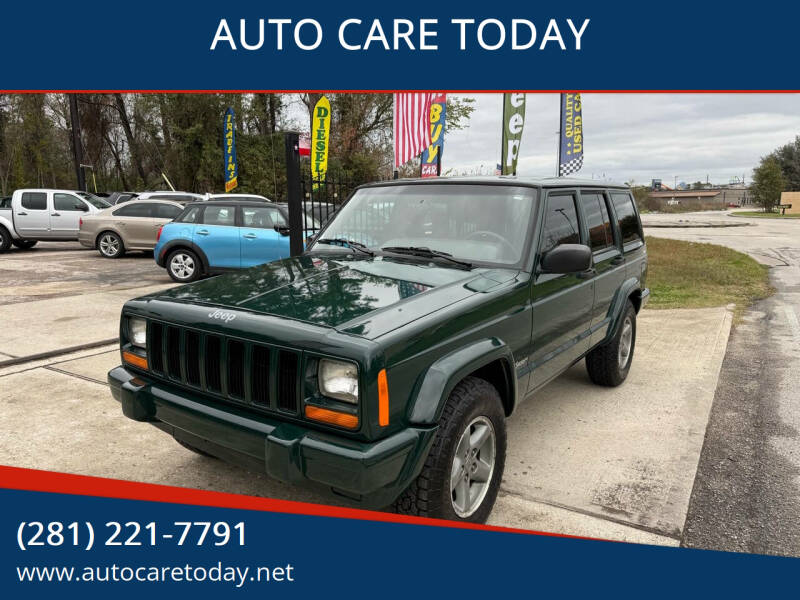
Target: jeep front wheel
609, 364
462, 473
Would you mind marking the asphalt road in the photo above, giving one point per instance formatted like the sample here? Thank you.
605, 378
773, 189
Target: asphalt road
746, 495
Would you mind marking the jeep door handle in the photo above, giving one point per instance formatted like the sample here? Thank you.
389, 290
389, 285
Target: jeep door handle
203, 232
250, 236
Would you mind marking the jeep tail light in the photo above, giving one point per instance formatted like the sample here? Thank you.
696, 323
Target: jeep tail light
158, 235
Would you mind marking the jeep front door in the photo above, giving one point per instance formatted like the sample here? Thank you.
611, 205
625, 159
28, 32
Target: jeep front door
562, 303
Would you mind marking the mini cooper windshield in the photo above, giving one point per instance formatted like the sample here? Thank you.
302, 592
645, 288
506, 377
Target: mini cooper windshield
473, 223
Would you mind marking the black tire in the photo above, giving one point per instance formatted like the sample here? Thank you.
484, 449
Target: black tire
195, 450
605, 363
110, 245
25, 244
5, 239
191, 269
430, 494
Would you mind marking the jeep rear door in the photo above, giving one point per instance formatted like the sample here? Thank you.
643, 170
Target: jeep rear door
609, 263
562, 303
259, 241
218, 236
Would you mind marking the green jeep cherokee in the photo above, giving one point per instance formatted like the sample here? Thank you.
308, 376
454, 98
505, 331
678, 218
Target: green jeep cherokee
381, 364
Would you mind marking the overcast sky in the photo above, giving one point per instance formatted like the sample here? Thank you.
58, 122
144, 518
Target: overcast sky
639, 136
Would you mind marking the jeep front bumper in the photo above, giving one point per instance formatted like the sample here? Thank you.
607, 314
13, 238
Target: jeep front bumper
371, 473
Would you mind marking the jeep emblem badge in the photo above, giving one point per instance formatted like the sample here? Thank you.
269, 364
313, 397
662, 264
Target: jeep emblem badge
222, 316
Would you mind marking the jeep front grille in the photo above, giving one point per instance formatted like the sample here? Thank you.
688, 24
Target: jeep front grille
244, 372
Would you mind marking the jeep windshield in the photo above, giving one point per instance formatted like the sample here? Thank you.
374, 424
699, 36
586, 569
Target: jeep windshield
482, 224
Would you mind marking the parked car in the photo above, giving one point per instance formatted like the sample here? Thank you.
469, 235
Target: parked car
382, 363
43, 214
120, 197
221, 235
182, 197
243, 197
5, 202
133, 225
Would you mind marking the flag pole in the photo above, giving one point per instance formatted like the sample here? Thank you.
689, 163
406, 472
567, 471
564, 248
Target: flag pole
558, 133
396, 174
503, 134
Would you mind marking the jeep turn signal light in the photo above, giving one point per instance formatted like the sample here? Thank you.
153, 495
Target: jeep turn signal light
332, 417
383, 399
134, 359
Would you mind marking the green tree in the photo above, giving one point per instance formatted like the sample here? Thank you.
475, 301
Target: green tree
788, 158
768, 183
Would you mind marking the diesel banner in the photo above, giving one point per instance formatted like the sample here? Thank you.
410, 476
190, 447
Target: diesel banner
231, 167
431, 165
320, 135
570, 145
513, 122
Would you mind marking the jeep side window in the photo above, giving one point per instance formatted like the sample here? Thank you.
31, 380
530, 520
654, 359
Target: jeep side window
560, 223
597, 221
34, 200
190, 216
626, 216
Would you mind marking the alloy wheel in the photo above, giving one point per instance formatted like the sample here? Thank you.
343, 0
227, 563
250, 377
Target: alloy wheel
473, 466
625, 342
182, 265
109, 245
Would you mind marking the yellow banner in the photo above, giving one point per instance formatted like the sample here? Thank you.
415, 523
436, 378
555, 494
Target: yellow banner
320, 140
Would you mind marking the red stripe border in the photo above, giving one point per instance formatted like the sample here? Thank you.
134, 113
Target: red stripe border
34, 480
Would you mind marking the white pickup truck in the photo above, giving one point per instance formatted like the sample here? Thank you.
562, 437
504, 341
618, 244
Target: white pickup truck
49, 215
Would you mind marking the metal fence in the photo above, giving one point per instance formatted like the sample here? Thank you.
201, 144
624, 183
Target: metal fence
322, 198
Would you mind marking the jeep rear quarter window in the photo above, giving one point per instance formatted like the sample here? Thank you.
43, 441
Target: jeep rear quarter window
629, 226
597, 220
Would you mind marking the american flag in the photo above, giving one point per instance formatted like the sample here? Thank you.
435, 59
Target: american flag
412, 130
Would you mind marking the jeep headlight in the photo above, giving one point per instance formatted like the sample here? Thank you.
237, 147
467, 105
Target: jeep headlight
338, 379
137, 332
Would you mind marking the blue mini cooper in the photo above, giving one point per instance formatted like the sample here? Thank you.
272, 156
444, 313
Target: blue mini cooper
216, 236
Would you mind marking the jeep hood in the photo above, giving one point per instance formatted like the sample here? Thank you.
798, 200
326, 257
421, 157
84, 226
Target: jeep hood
362, 296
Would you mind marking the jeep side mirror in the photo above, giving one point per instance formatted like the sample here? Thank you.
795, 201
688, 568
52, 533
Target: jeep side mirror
567, 258
282, 229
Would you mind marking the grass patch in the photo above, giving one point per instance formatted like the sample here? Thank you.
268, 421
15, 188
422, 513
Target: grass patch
760, 214
693, 275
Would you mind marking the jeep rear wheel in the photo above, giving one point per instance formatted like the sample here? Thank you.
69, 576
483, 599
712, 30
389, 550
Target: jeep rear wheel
462, 473
183, 266
609, 364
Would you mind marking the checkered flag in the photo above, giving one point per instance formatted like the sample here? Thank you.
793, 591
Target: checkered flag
570, 167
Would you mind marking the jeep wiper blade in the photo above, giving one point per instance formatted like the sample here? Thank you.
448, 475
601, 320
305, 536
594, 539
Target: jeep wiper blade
425, 252
347, 244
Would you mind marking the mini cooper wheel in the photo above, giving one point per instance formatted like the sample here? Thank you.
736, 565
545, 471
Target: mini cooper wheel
183, 266
25, 244
462, 473
609, 364
110, 245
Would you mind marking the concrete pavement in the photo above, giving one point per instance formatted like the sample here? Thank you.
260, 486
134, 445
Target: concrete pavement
747, 491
